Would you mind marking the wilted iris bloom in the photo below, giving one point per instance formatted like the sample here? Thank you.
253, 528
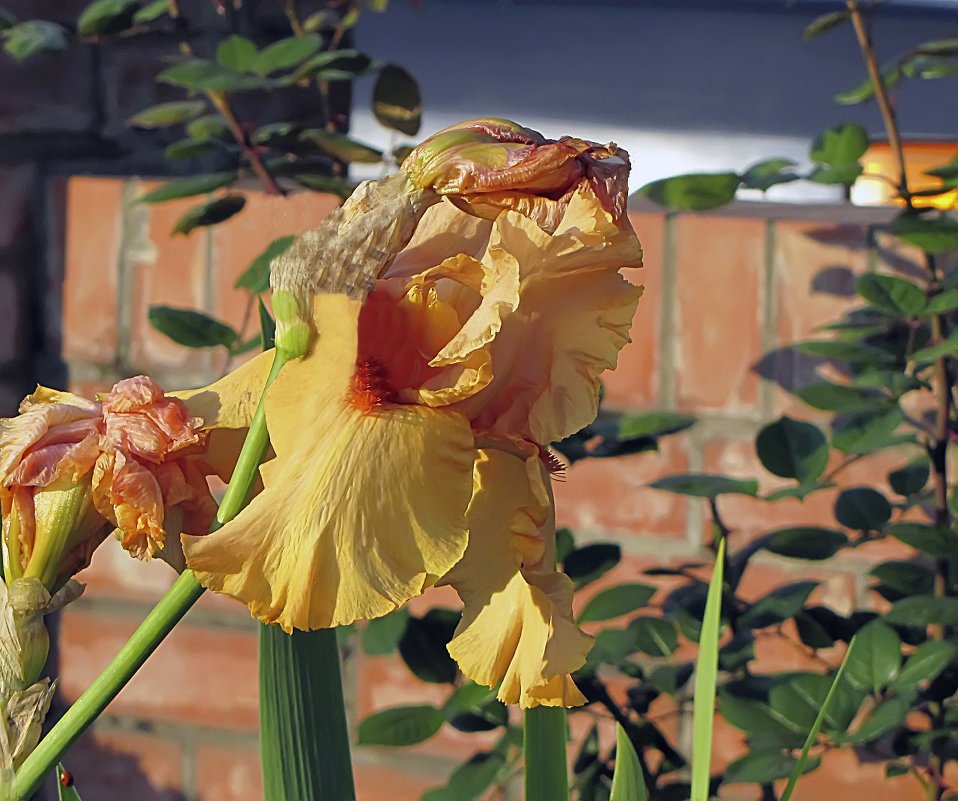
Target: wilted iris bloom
412, 440
72, 470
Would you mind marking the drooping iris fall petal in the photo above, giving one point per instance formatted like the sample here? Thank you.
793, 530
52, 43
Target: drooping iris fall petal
364, 504
517, 626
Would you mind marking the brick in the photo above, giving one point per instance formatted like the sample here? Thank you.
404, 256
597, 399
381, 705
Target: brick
167, 270
635, 381
816, 265
719, 280
843, 775
228, 774
392, 776
111, 766
114, 574
91, 271
612, 495
198, 675
237, 242
51, 92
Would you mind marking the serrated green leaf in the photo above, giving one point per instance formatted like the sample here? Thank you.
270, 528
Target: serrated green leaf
840, 145
255, 278
705, 485
616, 601
401, 725
930, 233
693, 192
925, 663
397, 103
26, 39
165, 114
210, 213
891, 294
919, 611
876, 659
285, 53
106, 16
628, 780
191, 328
805, 542
792, 449
927, 538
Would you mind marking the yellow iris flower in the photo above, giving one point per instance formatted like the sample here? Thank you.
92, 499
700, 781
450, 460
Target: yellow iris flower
411, 441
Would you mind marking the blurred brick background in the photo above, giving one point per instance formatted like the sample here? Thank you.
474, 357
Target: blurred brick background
723, 290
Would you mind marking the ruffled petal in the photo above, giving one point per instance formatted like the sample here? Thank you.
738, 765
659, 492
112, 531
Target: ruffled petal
517, 626
362, 509
128, 495
573, 318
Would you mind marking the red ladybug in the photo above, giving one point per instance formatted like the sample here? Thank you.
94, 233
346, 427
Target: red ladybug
66, 778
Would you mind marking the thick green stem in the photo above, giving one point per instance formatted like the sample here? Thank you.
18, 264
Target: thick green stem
547, 776
157, 624
303, 733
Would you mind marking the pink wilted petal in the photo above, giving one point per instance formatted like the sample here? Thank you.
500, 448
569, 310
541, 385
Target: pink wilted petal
126, 493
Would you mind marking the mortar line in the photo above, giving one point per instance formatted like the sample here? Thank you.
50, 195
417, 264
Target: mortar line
667, 322
769, 318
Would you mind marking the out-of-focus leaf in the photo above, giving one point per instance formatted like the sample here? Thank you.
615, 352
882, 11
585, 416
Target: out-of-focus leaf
323, 183
838, 397
397, 103
256, 277
927, 538
919, 611
885, 718
766, 174
904, 578
824, 23
210, 213
616, 601
285, 53
930, 233
342, 147
183, 149
909, 479
267, 325
382, 634
866, 432
653, 424
236, 53
188, 187
423, 646
927, 661
207, 127
778, 606
704, 485
401, 725
191, 328
335, 65
693, 192
584, 565
198, 75
471, 779
152, 11
792, 449
165, 114
106, 16
26, 39
862, 509
866, 89
655, 636
891, 294
805, 542
763, 767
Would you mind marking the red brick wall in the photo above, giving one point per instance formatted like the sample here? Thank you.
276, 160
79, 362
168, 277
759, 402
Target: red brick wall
722, 290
